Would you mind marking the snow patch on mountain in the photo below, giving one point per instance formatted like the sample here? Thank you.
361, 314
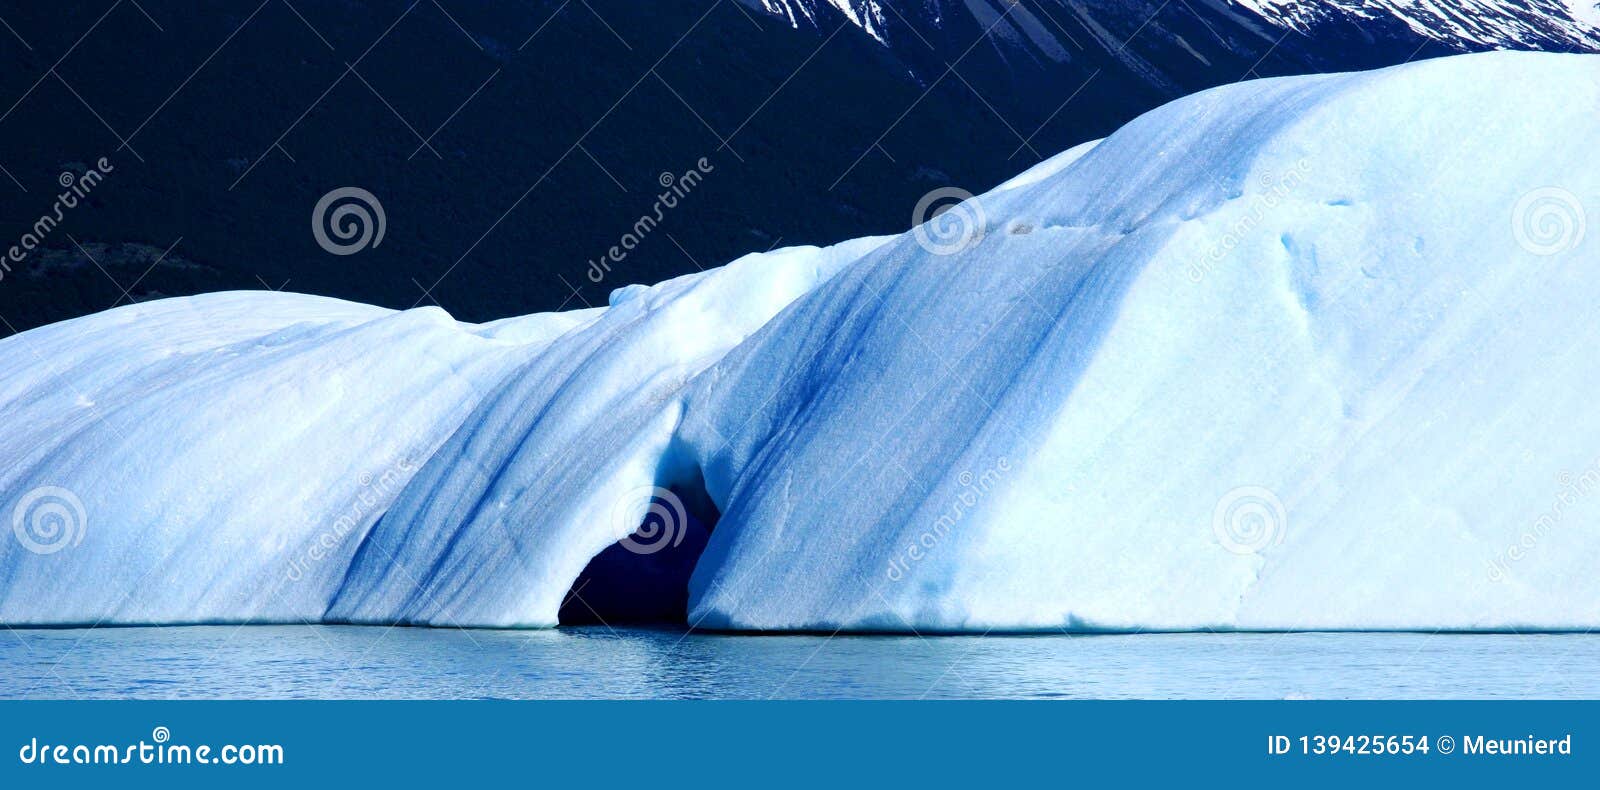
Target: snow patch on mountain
1037, 26
1506, 24
1014, 23
1586, 12
864, 14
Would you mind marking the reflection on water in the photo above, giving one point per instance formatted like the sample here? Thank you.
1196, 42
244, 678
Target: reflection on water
362, 662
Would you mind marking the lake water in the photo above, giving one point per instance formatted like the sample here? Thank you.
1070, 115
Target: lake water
592, 662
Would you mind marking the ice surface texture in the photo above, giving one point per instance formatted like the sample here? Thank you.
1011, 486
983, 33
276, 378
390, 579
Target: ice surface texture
1313, 352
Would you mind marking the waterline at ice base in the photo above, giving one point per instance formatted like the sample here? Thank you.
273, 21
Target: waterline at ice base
1302, 353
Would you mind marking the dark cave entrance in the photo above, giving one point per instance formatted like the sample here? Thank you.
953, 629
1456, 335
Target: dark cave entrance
644, 579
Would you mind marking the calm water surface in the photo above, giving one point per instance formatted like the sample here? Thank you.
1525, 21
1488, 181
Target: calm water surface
364, 662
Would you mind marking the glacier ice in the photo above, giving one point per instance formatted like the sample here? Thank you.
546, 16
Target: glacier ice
1298, 353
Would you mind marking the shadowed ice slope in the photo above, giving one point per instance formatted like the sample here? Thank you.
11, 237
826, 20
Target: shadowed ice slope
1300, 353
560, 461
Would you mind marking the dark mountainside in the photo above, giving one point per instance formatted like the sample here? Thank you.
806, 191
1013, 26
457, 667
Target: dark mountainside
512, 143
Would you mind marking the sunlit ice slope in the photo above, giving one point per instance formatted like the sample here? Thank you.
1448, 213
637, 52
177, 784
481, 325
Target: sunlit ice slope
1302, 353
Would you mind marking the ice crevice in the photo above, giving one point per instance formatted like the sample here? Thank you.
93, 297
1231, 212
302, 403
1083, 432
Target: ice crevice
1301, 393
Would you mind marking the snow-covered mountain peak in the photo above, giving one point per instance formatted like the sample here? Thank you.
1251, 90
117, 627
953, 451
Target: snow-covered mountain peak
1049, 25
865, 14
1498, 24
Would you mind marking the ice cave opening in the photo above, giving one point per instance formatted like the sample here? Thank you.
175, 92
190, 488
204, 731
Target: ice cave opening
644, 578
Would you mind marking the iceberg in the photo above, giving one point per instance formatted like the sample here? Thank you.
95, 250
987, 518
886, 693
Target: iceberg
1300, 353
